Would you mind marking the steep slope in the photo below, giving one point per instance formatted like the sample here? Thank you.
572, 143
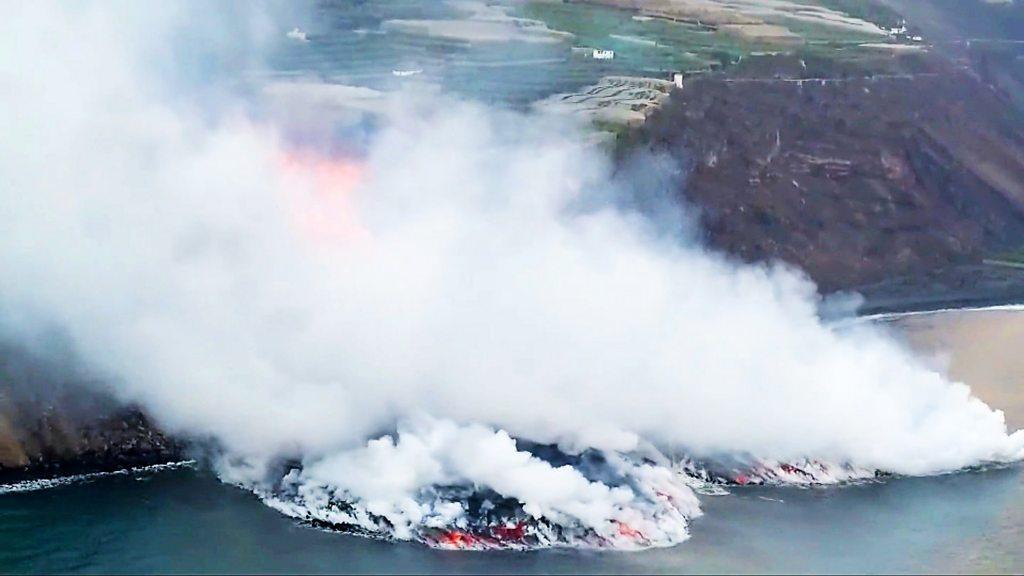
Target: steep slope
55, 422
856, 176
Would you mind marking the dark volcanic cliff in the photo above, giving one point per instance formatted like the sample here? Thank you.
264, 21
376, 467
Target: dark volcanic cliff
858, 176
55, 422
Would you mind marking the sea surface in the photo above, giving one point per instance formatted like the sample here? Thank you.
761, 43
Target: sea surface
185, 520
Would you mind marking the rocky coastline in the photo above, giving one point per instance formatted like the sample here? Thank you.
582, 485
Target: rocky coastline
118, 442
58, 420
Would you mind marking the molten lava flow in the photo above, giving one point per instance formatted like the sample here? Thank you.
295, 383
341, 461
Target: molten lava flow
629, 532
320, 190
457, 539
511, 534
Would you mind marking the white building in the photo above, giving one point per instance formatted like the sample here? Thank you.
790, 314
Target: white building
603, 54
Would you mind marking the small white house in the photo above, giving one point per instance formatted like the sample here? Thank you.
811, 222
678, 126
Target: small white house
603, 54
297, 35
677, 79
899, 30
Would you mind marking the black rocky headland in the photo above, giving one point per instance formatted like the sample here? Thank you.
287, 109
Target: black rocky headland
117, 442
56, 420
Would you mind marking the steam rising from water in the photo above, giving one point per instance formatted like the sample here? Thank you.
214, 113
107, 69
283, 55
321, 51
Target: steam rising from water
465, 281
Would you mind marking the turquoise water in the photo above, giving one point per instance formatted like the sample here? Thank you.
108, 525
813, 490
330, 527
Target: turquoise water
187, 521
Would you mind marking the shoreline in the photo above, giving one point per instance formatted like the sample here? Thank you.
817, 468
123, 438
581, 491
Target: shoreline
978, 348
32, 485
887, 316
965, 286
884, 310
57, 473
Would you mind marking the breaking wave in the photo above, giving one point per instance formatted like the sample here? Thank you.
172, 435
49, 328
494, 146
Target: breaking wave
47, 483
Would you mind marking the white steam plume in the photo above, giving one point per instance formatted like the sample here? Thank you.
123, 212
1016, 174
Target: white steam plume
447, 284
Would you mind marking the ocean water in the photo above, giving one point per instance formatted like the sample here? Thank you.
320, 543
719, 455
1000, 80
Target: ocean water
187, 521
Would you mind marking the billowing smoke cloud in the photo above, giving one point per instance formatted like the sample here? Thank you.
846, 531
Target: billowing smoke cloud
457, 285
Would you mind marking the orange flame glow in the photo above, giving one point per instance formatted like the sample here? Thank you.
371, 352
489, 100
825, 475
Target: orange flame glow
320, 192
629, 532
457, 540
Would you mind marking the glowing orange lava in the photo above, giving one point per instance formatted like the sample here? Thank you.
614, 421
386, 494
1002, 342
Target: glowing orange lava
510, 533
629, 531
320, 192
457, 539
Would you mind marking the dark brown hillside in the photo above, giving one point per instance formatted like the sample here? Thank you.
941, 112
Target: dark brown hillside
54, 422
857, 179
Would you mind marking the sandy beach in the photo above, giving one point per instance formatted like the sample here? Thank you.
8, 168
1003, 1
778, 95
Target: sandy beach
981, 348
